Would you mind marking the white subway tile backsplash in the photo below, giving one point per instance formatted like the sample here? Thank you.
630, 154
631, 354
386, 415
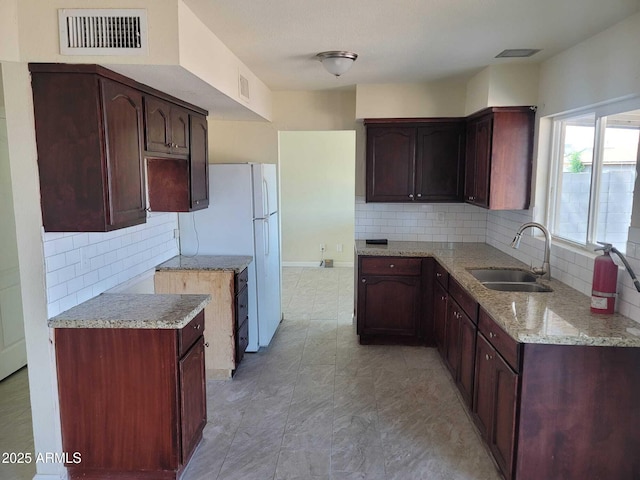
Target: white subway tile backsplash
111, 258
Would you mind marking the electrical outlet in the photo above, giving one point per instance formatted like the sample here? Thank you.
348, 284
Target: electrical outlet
322, 247
339, 247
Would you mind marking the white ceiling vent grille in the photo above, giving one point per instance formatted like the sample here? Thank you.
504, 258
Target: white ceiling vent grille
103, 31
243, 87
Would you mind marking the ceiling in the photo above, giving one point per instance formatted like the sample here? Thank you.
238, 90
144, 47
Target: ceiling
397, 41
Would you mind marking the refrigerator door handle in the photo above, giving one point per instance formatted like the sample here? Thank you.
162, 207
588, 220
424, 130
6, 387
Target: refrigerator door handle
265, 236
265, 196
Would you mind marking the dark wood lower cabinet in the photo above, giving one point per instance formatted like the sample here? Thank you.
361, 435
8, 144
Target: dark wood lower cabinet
393, 299
132, 401
440, 296
495, 402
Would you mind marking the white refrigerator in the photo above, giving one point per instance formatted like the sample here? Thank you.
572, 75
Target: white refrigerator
242, 219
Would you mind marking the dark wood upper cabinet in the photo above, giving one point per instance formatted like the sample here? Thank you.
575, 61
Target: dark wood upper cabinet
499, 155
181, 184
199, 162
390, 163
94, 131
89, 133
415, 160
166, 127
440, 162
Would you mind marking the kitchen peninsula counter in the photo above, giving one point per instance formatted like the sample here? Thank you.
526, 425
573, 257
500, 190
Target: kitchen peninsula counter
560, 317
233, 263
147, 311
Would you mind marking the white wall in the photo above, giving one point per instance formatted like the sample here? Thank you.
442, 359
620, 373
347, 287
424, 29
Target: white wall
9, 48
317, 181
444, 98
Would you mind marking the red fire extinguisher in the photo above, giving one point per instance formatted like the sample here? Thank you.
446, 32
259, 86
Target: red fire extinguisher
605, 279
605, 282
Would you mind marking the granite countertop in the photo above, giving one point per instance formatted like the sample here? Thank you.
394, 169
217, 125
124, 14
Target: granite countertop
111, 310
235, 263
561, 317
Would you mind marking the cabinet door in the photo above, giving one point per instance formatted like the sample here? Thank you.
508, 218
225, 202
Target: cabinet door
495, 400
478, 161
157, 125
199, 163
503, 425
440, 162
390, 164
193, 403
122, 108
440, 317
467, 358
388, 305
452, 339
179, 130
483, 393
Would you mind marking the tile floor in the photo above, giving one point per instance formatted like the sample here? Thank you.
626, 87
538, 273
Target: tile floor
16, 434
315, 404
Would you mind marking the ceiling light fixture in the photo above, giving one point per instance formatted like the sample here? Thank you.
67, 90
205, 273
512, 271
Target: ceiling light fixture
337, 62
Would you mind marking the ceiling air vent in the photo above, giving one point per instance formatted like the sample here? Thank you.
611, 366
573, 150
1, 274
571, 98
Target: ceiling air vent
103, 31
243, 87
517, 53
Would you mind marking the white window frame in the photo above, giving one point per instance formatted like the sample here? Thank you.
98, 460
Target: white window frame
601, 111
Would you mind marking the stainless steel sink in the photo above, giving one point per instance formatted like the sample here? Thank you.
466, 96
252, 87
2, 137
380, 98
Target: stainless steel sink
502, 275
517, 286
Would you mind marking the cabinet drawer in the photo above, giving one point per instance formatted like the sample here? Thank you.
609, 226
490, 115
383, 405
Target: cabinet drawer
390, 266
241, 280
501, 340
242, 340
188, 335
242, 308
466, 301
442, 276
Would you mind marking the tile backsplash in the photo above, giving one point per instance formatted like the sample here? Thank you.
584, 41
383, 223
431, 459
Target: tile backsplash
80, 266
428, 222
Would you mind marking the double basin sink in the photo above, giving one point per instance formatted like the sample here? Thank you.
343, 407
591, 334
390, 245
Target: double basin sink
508, 280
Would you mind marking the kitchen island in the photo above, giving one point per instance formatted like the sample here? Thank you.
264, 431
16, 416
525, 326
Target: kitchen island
225, 278
131, 384
553, 389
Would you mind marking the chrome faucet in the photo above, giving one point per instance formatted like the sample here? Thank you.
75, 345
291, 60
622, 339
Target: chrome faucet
545, 271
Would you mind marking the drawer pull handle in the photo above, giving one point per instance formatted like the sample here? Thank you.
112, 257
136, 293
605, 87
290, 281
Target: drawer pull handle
439, 275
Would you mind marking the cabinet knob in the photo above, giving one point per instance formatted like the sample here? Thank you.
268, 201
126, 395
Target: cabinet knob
487, 356
206, 344
197, 202
392, 266
419, 195
197, 326
411, 195
364, 280
492, 335
443, 298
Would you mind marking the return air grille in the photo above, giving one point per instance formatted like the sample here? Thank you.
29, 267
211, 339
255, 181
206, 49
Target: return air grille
103, 31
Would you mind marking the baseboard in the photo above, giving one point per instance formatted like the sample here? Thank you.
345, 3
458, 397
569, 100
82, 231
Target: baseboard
315, 264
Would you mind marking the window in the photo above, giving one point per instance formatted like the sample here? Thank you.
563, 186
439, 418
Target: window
595, 156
